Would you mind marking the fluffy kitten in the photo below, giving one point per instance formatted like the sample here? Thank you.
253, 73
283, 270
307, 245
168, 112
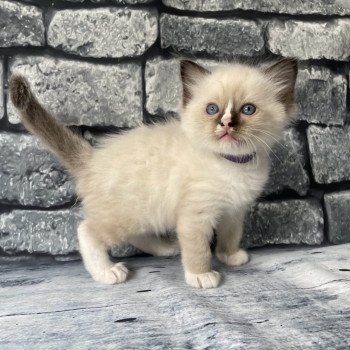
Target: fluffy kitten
188, 176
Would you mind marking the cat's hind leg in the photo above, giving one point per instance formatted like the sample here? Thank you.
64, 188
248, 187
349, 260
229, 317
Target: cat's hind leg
96, 259
154, 245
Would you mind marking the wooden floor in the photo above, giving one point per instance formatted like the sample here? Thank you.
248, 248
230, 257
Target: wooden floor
285, 298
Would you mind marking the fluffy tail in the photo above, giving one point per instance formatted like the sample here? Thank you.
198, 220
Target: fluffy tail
72, 149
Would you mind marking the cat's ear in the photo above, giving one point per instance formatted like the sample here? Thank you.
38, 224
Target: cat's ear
284, 75
191, 73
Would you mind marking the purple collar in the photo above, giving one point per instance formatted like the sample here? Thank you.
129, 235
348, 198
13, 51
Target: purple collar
244, 158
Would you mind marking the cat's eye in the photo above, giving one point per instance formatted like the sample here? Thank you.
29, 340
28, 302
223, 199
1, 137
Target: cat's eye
212, 109
248, 109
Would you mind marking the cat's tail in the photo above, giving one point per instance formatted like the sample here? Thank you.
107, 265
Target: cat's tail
72, 149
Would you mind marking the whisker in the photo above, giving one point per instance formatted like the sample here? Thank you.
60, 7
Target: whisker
267, 146
270, 135
256, 153
263, 144
253, 146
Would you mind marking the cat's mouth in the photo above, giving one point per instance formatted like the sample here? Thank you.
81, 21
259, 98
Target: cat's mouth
227, 137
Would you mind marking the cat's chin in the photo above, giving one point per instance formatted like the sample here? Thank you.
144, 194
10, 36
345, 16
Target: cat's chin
230, 147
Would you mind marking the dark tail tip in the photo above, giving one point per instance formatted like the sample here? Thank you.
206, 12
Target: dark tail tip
20, 92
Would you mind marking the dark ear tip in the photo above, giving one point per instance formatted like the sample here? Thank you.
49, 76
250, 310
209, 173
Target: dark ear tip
185, 64
285, 68
292, 61
186, 61
190, 72
294, 64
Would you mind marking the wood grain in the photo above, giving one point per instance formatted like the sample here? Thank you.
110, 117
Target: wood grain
285, 298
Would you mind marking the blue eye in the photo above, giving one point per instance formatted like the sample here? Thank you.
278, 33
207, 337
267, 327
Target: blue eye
248, 109
212, 109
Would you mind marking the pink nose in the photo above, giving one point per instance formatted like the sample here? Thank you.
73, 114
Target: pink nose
226, 120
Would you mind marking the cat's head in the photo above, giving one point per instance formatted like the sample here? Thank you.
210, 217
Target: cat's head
237, 108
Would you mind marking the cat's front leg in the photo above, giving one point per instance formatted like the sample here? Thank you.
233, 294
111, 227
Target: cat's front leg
229, 234
194, 236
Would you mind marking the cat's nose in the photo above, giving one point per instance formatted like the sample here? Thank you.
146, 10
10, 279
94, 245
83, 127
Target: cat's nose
226, 120
229, 124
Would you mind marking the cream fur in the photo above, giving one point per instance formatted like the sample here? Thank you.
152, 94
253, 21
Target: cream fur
154, 180
172, 177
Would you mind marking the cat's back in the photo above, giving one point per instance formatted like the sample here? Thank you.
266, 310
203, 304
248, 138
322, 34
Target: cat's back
151, 140
137, 170
142, 154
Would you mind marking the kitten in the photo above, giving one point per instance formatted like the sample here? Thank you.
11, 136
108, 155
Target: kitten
188, 176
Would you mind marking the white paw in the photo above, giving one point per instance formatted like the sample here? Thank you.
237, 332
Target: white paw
241, 257
203, 280
111, 275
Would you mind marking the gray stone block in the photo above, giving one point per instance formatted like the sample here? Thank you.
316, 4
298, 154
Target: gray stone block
80, 93
222, 37
284, 222
329, 153
124, 251
30, 175
118, 2
1, 89
125, 32
34, 231
288, 164
324, 7
338, 220
321, 96
124, 2
310, 40
49, 232
20, 25
163, 86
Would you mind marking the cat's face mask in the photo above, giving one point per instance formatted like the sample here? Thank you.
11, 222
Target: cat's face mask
237, 109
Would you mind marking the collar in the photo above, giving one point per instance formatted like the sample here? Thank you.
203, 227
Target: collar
241, 159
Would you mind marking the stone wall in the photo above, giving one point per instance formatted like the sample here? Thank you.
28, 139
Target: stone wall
102, 65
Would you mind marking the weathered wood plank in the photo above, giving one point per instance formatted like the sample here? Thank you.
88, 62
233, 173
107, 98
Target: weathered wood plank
284, 298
